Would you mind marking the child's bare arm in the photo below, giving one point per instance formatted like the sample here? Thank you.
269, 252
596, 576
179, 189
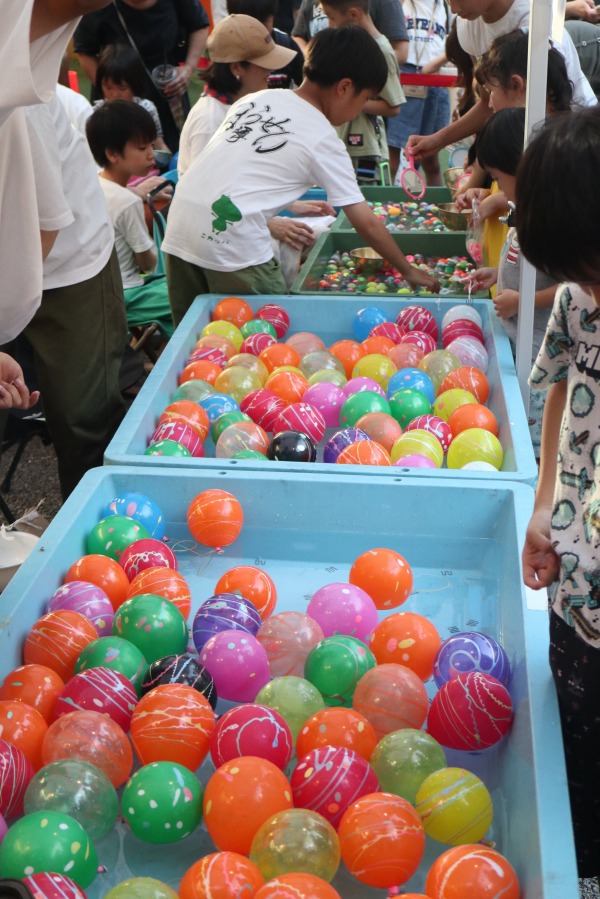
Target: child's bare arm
380, 107
146, 261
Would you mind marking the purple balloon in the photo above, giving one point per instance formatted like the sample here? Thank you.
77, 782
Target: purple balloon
238, 664
468, 652
358, 385
339, 442
88, 600
343, 608
415, 460
224, 612
328, 399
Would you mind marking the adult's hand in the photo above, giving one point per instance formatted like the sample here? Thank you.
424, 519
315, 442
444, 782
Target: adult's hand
14, 393
418, 278
582, 9
421, 145
291, 232
311, 207
179, 84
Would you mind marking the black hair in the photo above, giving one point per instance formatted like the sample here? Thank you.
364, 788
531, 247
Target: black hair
346, 52
258, 9
345, 5
114, 124
464, 65
220, 78
123, 65
500, 141
507, 56
558, 195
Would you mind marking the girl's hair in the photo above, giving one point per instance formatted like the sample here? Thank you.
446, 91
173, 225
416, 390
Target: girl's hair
558, 195
507, 56
115, 123
219, 77
500, 141
121, 64
464, 64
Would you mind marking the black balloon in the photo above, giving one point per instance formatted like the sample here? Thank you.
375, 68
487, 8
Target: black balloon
291, 446
180, 669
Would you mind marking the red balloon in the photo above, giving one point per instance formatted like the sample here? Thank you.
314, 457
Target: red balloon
329, 779
53, 886
15, 773
470, 711
99, 690
146, 553
252, 729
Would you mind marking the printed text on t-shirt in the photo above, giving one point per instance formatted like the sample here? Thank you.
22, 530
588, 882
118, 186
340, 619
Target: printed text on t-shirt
251, 122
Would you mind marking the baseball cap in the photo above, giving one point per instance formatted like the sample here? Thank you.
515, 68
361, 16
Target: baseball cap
240, 38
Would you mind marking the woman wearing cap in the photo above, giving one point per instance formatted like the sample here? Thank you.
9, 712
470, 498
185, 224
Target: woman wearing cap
242, 54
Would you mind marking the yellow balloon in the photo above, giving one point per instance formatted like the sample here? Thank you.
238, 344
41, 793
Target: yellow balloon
454, 806
224, 329
450, 400
421, 442
475, 445
237, 382
375, 366
253, 363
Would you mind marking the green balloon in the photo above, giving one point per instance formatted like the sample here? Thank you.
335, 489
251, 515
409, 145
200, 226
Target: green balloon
329, 375
153, 624
296, 839
335, 665
141, 888
75, 788
193, 390
319, 360
294, 698
223, 421
361, 403
48, 841
167, 448
250, 454
407, 404
118, 654
403, 759
114, 534
162, 802
258, 326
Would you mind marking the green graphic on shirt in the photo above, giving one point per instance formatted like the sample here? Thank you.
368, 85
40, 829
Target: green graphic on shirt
225, 212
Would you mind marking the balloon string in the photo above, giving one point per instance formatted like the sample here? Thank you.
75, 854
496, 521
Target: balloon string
393, 891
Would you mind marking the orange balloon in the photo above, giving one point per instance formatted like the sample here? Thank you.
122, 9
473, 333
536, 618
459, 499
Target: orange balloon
385, 575
364, 452
172, 723
340, 727
472, 870
90, 737
381, 427
200, 371
377, 345
36, 685
297, 886
234, 310
392, 697
382, 840
473, 415
57, 639
289, 385
221, 875
406, 639
216, 342
23, 727
348, 352
467, 378
240, 796
191, 414
165, 582
253, 584
279, 354
215, 518
305, 342
103, 572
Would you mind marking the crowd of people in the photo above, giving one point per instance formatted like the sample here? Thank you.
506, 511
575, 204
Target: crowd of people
296, 96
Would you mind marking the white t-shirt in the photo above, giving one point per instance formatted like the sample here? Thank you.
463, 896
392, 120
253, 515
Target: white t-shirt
83, 248
77, 107
33, 74
131, 234
426, 23
271, 148
476, 37
205, 117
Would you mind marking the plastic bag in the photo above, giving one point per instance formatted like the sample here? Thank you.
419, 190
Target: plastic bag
474, 239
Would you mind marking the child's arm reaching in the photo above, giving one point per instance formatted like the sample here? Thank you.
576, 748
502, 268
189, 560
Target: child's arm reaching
540, 562
483, 278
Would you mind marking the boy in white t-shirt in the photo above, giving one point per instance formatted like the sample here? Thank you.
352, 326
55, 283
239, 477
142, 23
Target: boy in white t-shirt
271, 148
121, 134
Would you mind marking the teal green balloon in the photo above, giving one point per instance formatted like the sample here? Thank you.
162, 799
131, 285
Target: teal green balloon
403, 759
162, 802
335, 665
48, 841
141, 888
116, 653
193, 390
330, 375
361, 403
258, 326
167, 448
75, 788
407, 404
295, 698
153, 624
223, 421
114, 534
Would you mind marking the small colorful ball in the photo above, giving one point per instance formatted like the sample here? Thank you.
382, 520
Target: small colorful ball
93, 738
407, 404
162, 803
208, 354
335, 666
454, 806
414, 460
472, 871
219, 876
169, 448
475, 445
287, 638
263, 406
390, 330
403, 759
215, 518
16, 772
344, 728
253, 584
391, 697
180, 669
251, 362
104, 572
342, 608
470, 351
291, 446
301, 417
348, 352
339, 441
365, 320
318, 361
257, 326
327, 399
381, 840
417, 318
117, 654
290, 386
438, 364
381, 427
141, 507
447, 402
436, 426
295, 698
233, 310
88, 599
143, 554
297, 886
75, 788
238, 664
470, 651
178, 432
468, 378
224, 421
407, 639
52, 886
328, 779
411, 379
153, 624
141, 888
252, 730
224, 611
296, 840
57, 639
35, 685
385, 575
462, 311
241, 436
364, 452
470, 711
99, 690
165, 582
378, 344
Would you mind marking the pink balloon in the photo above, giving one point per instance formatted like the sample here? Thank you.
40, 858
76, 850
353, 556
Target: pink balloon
15, 774
181, 433
99, 690
238, 664
329, 779
357, 385
415, 460
146, 553
328, 399
343, 608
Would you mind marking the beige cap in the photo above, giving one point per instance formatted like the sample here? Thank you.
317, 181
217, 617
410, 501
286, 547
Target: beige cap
241, 38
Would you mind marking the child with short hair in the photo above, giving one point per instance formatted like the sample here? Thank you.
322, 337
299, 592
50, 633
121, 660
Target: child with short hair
272, 147
121, 134
365, 136
558, 235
